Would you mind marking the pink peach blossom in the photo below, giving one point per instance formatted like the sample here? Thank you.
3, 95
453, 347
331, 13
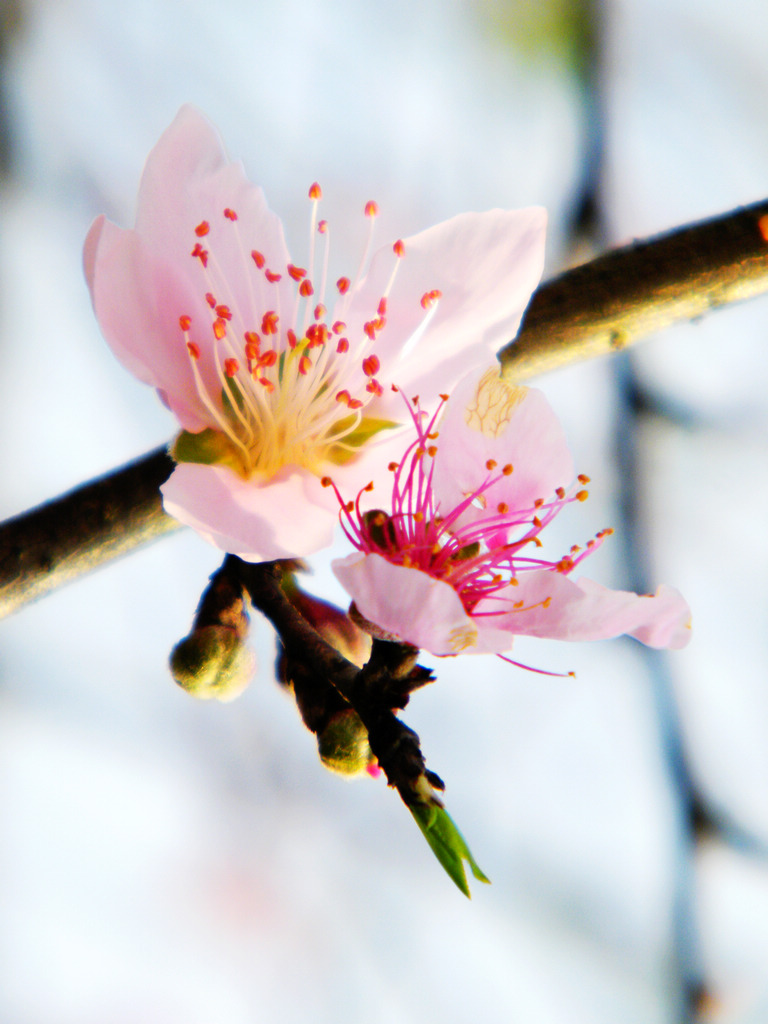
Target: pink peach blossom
272, 388
453, 564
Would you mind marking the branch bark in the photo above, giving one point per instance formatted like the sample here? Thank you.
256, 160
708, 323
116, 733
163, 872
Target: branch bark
595, 309
626, 294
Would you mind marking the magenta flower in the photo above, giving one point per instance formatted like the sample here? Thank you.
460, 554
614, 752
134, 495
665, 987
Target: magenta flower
454, 565
276, 375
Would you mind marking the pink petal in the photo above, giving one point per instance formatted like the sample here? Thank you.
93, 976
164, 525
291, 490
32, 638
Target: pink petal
532, 441
485, 264
137, 300
408, 603
290, 515
187, 179
584, 610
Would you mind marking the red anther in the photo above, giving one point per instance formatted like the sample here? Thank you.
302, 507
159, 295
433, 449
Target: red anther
258, 259
224, 312
296, 272
371, 365
211, 300
382, 310
380, 323
582, 495
272, 277
230, 214
315, 192
762, 226
369, 486
322, 227
502, 508
231, 366
371, 209
344, 396
269, 322
343, 346
193, 349
370, 329
491, 464
251, 351
339, 327
428, 299
267, 384
435, 434
399, 248
202, 228
355, 403
432, 450
320, 311
393, 467
317, 334
291, 336
305, 365
200, 253
565, 564
583, 478
343, 285
219, 328
575, 549
252, 338
560, 492
508, 469
374, 387
536, 522
268, 358
326, 482
185, 322
538, 503
306, 289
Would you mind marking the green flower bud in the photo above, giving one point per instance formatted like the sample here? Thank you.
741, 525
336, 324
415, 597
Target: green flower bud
213, 663
343, 744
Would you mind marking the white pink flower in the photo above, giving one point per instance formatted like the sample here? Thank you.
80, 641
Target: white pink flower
454, 565
272, 387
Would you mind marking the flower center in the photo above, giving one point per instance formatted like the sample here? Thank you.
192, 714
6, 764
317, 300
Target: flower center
478, 559
283, 383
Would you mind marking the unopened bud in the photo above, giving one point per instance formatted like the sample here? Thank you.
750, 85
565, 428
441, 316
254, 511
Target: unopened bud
213, 663
343, 744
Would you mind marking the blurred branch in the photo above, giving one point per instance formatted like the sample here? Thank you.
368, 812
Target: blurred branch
626, 294
595, 309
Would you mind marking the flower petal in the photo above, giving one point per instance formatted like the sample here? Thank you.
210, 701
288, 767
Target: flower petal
554, 606
290, 515
487, 418
408, 603
486, 265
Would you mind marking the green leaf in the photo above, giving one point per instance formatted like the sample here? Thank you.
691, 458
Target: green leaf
447, 843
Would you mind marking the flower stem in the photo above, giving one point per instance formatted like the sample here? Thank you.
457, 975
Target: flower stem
594, 309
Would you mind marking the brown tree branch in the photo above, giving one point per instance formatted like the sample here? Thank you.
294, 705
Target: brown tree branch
598, 308
626, 294
57, 542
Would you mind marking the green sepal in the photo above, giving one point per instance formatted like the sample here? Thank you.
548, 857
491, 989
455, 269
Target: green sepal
367, 428
209, 448
447, 843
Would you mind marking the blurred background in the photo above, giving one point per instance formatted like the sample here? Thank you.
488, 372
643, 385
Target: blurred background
169, 861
